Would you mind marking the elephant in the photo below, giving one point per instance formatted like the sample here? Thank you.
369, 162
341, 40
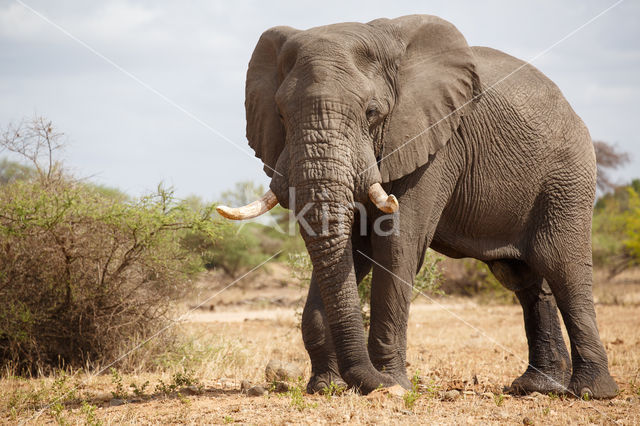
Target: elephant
466, 150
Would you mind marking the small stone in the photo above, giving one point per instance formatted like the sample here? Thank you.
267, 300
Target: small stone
382, 395
396, 390
116, 401
451, 395
281, 387
527, 421
280, 370
468, 392
488, 395
535, 395
256, 391
245, 385
191, 390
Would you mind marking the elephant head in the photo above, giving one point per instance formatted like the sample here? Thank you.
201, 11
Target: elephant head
333, 112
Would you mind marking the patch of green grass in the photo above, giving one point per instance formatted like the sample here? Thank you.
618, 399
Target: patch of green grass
498, 399
139, 391
89, 412
412, 396
57, 411
432, 389
116, 379
178, 380
40, 394
334, 390
296, 395
228, 419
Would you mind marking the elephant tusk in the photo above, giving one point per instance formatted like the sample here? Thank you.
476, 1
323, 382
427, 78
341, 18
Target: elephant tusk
255, 209
379, 197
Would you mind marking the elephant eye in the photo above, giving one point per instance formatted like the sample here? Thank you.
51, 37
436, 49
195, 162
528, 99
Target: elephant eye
372, 113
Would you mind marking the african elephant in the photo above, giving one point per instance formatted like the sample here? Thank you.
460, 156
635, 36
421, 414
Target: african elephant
484, 158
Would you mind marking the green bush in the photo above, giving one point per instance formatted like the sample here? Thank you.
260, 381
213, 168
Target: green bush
84, 274
616, 231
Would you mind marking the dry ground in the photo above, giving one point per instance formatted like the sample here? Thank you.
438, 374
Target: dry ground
454, 344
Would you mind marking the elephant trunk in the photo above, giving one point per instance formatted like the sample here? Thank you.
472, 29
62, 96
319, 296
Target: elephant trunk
323, 177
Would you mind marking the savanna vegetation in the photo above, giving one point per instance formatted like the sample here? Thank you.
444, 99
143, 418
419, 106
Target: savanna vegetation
85, 271
93, 279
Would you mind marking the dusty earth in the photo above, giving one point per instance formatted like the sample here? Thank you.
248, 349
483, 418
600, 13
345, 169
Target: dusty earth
461, 354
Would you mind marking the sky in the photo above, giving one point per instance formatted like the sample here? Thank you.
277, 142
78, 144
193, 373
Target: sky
153, 91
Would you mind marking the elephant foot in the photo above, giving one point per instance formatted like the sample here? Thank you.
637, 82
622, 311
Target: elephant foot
366, 379
322, 383
402, 380
394, 368
541, 380
592, 382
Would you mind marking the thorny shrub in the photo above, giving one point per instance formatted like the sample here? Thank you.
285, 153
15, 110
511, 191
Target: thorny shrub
84, 275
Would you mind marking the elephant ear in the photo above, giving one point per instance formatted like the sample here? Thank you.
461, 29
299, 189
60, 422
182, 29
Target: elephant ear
436, 84
265, 131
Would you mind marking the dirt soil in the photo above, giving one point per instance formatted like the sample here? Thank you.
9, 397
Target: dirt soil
462, 354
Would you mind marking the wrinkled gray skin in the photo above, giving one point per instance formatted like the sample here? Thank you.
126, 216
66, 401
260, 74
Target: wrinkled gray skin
505, 174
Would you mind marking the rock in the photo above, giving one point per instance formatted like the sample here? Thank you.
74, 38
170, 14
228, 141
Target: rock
451, 395
383, 395
280, 370
256, 391
116, 401
536, 395
527, 421
192, 390
396, 390
281, 387
245, 385
488, 395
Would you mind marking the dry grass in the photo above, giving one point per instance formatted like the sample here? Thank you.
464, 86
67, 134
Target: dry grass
445, 352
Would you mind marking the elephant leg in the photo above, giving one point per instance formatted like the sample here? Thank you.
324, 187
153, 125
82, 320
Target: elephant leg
317, 337
565, 262
572, 289
549, 368
391, 291
318, 343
